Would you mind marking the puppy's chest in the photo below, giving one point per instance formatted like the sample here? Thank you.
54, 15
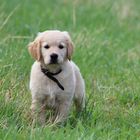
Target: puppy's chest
51, 87
43, 85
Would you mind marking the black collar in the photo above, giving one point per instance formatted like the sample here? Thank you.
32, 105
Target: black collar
50, 75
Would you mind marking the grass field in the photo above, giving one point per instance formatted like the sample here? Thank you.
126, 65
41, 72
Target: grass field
106, 35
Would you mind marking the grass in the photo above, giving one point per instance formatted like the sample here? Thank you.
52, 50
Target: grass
106, 37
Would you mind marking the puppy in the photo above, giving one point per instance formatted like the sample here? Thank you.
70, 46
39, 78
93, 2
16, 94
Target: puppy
55, 80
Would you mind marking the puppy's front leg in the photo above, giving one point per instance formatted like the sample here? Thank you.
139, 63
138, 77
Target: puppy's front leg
38, 109
62, 111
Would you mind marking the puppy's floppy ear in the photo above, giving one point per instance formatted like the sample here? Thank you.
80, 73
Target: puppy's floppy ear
35, 49
70, 46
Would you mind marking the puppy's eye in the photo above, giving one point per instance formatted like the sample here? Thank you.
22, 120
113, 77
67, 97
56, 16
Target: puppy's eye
61, 46
46, 46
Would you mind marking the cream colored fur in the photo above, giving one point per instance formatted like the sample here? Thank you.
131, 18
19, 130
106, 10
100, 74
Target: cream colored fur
45, 93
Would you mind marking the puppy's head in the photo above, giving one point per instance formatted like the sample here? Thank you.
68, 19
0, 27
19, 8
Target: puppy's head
51, 47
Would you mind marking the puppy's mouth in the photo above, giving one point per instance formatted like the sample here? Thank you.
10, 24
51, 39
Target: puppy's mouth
53, 62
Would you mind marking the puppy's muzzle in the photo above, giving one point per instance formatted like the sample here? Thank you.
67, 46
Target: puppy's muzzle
54, 58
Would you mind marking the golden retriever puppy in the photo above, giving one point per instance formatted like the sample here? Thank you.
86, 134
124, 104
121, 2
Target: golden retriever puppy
55, 80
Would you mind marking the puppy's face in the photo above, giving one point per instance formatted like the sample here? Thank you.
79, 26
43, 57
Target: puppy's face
53, 47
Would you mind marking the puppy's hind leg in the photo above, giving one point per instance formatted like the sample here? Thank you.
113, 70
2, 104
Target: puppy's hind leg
79, 96
79, 101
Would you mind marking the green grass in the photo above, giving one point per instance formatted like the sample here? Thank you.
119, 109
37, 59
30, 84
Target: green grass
106, 35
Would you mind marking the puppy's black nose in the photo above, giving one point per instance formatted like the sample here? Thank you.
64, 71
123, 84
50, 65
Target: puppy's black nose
54, 58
